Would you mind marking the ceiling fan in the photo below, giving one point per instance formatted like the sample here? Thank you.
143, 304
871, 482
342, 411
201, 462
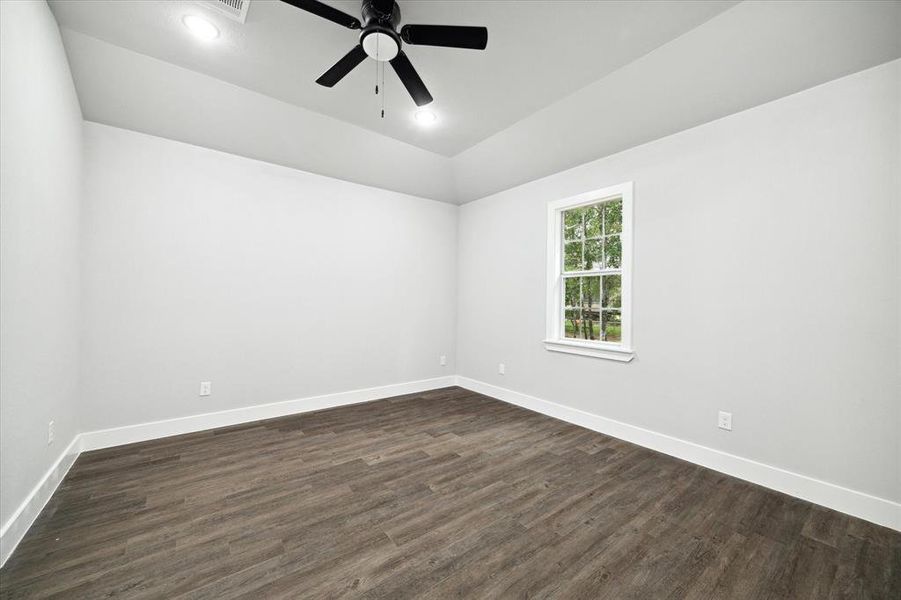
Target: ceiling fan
379, 39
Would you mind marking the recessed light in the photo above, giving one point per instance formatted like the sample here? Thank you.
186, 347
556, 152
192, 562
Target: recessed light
201, 28
425, 117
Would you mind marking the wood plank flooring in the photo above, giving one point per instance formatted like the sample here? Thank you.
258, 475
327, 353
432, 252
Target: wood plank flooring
446, 494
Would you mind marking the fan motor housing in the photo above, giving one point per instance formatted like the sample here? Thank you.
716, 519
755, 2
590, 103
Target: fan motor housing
378, 37
374, 16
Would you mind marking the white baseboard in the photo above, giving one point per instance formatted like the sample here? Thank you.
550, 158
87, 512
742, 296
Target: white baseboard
23, 518
18, 524
858, 504
117, 436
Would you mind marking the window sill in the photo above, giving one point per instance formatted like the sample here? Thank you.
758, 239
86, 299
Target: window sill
607, 351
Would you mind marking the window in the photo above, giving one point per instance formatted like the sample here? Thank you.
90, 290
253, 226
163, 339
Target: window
590, 274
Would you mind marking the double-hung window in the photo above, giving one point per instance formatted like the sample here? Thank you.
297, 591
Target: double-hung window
590, 274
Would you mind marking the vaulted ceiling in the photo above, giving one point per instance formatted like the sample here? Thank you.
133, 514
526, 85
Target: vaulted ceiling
560, 82
538, 52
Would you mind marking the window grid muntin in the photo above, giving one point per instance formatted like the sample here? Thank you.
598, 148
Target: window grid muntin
583, 238
580, 307
602, 272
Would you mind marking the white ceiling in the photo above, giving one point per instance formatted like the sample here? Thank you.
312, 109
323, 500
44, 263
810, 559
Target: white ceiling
136, 68
129, 90
538, 53
753, 53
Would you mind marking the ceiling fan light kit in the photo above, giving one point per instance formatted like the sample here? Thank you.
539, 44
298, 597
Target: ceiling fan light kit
379, 39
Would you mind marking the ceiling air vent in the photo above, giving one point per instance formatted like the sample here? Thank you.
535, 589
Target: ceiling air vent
233, 9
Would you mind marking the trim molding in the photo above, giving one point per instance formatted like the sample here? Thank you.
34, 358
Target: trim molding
594, 350
129, 434
858, 504
24, 517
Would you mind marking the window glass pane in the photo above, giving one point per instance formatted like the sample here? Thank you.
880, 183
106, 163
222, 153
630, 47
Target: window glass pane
594, 254
611, 325
613, 217
613, 252
591, 325
612, 291
572, 256
593, 217
572, 324
591, 293
592, 260
572, 224
571, 296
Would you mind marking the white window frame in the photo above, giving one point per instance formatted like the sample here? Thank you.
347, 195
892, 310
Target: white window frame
556, 341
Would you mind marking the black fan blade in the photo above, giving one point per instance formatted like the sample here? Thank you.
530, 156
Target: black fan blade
410, 79
342, 67
326, 12
451, 36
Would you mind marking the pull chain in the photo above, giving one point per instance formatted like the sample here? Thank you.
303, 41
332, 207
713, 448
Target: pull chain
379, 73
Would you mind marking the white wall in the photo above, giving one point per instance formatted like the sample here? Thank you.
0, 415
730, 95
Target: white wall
766, 283
40, 190
272, 283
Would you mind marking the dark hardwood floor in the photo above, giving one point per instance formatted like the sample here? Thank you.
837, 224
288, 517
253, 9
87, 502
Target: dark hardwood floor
437, 495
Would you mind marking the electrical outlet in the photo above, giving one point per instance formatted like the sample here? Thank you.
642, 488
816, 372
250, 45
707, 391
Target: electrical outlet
501, 369
725, 421
443, 360
206, 388
51, 433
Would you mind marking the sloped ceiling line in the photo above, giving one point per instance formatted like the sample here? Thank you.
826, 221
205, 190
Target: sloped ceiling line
752, 53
